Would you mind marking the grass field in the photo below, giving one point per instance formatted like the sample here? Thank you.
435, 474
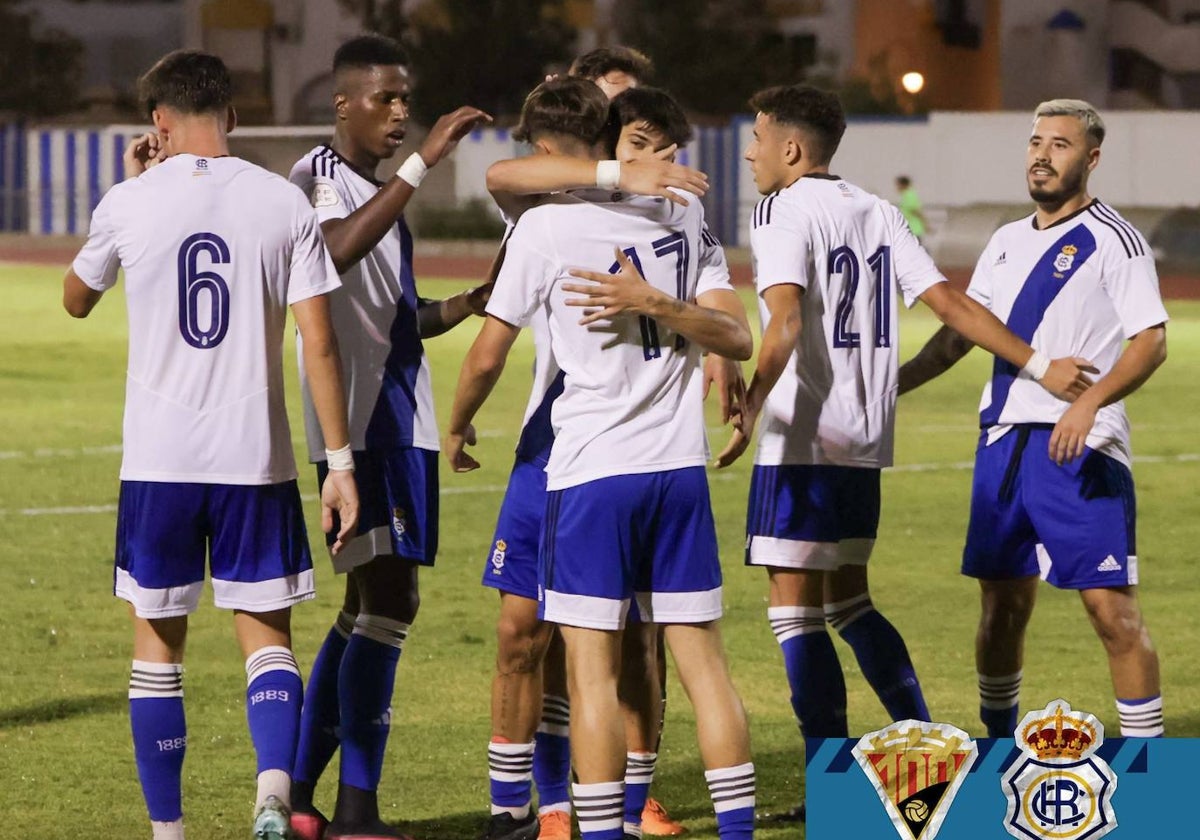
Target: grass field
66, 765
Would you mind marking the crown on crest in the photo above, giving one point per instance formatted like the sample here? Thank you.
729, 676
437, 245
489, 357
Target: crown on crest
1059, 735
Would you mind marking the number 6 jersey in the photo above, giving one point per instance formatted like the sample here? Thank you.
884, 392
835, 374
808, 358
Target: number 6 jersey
214, 251
850, 251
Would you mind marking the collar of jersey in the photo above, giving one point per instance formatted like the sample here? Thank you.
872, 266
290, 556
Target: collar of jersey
1054, 224
351, 166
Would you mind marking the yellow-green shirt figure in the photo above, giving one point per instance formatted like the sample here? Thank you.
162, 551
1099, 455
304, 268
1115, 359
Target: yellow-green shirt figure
910, 206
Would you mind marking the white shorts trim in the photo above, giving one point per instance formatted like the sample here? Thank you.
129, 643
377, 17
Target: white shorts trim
586, 611
264, 595
169, 602
363, 549
680, 607
802, 554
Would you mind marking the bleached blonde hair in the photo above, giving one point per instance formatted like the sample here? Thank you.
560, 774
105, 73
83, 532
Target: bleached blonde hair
1083, 111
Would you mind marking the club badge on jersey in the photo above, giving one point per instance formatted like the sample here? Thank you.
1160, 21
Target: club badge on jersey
1059, 789
916, 767
1065, 259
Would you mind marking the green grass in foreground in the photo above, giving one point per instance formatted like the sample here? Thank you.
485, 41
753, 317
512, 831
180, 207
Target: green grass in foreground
66, 762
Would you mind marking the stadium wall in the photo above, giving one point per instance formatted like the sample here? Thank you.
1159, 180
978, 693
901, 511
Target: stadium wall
51, 178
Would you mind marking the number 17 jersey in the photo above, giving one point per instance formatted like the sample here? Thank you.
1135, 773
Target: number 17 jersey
849, 251
214, 251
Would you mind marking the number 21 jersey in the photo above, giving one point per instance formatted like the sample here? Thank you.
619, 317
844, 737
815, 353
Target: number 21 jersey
214, 251
850, 251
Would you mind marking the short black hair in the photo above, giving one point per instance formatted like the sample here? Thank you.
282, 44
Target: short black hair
903, 181
368, 50
815, 111
574, 107
604, 60
656, 107
190, 81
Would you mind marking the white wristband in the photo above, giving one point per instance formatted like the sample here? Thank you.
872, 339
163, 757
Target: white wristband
340, 459
608, 174
413, 170
1037, 365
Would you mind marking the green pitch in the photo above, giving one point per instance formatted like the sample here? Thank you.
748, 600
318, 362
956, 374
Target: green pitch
66, 763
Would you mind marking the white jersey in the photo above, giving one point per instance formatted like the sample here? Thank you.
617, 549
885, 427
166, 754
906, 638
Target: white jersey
537, 431
384, 367
214, 251
1080, 287
631, 400
835, 402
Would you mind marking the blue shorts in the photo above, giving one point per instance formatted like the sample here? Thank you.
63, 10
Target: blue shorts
811, 516
1072, 524
253, 535
398, 507
649, 537
512, 562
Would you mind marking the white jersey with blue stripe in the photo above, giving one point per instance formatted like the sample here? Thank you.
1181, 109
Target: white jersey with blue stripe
384, 367
631, 400
537, 431
850, 251
214, 251
1079, 287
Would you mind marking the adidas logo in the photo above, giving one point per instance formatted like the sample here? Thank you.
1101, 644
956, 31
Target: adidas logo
1110, 564
1000, 260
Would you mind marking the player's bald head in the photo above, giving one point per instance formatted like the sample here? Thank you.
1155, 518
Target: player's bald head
354, 60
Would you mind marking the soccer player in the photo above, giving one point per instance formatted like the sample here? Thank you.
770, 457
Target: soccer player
214, 251
1053, 494
627, 509
910, 206
652, 126
380, 322
828, 261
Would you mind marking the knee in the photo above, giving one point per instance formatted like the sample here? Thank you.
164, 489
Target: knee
1005, 612
520, 644
1119, 626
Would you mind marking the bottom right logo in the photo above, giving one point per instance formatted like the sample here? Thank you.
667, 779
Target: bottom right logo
1058, 789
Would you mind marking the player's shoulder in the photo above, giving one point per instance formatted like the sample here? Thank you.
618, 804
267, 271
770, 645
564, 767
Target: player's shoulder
1115, 236
319, 161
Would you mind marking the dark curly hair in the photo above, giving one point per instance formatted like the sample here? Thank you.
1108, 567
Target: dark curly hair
817, 112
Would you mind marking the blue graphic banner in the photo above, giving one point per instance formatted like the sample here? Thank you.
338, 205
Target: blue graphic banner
1154, 778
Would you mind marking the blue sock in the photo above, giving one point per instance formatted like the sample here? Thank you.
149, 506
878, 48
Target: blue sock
365, 683
552, 755
639, 773
998, 704
813, 670
881, 654
274, 695
319, 719
732, 792
159, 735
510, 777
598, 808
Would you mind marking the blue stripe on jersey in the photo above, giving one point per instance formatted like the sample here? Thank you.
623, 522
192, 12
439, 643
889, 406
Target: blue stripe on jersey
538, 435
393, 420
1053, 271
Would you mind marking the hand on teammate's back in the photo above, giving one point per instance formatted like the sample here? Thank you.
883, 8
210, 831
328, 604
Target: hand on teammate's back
448, 130
1067, 378
142, 153
656, 177
610, 295
340, 493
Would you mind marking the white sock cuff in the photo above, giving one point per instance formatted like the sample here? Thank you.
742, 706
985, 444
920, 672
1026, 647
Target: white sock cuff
556, 716
599, 806
508, 749
1141, 718
731, 788
385, 631
155, 679
999, 692
789, 622
841, 614
270, 658
639, 768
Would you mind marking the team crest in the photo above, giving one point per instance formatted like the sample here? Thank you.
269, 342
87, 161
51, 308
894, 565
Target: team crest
1058, 789
324, 195
399, 522
498, 557
1065, 258
916, 767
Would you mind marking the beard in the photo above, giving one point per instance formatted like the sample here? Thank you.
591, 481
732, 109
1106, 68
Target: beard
1070, 184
